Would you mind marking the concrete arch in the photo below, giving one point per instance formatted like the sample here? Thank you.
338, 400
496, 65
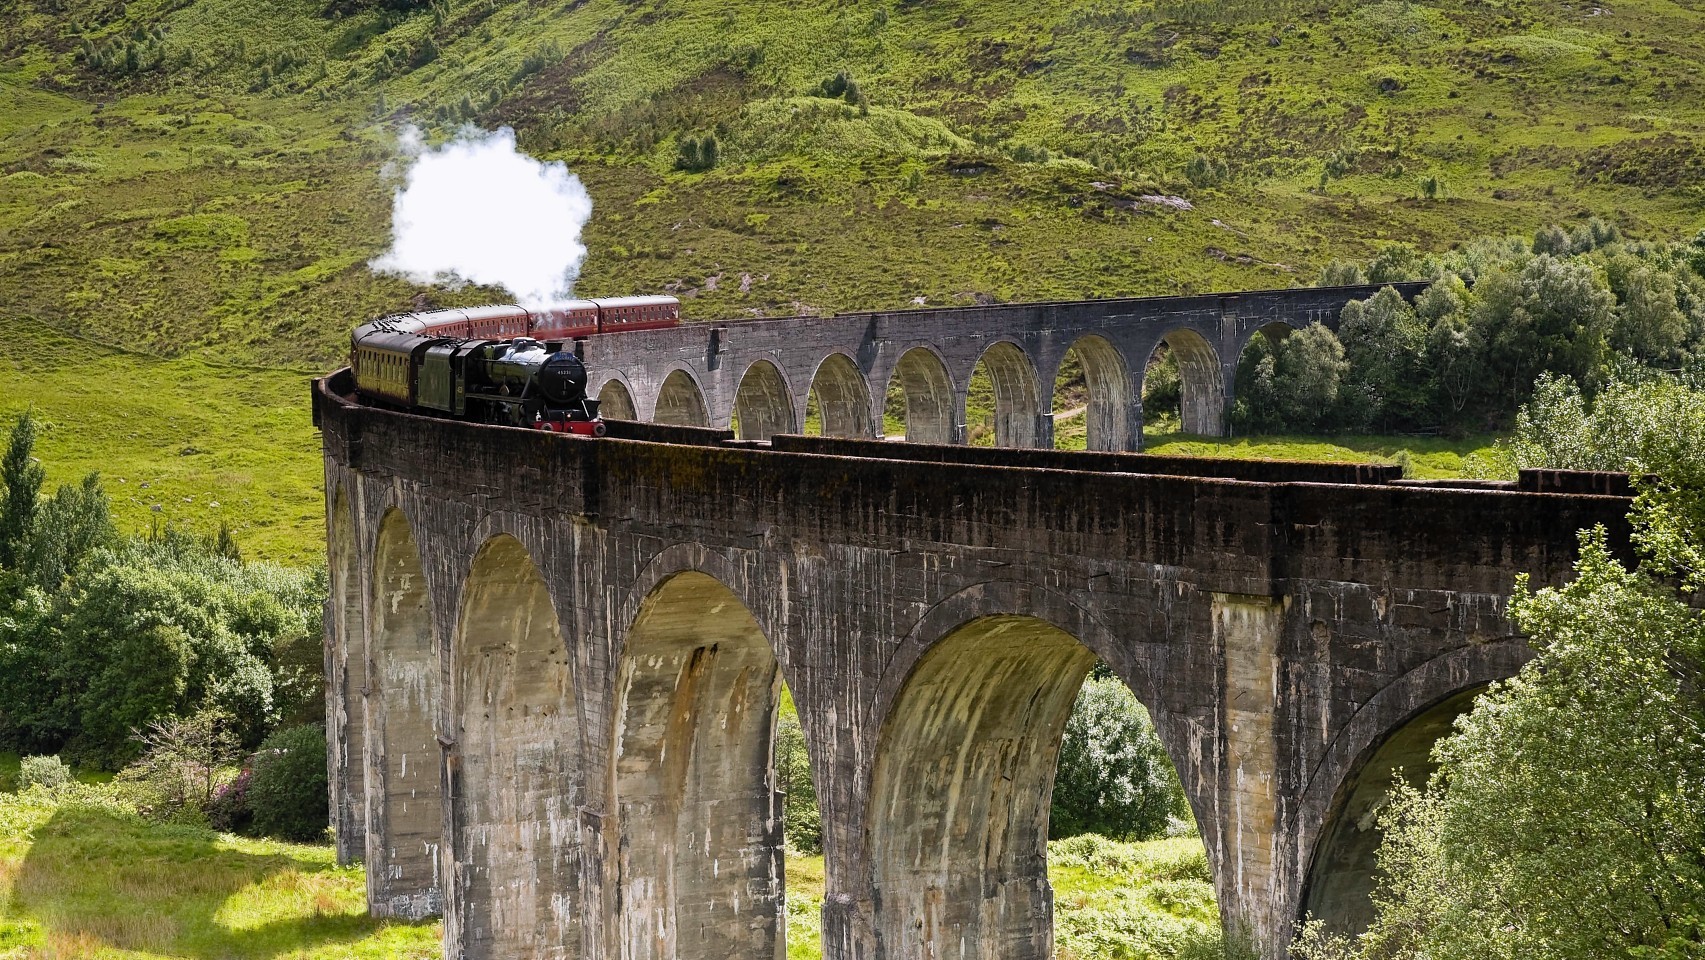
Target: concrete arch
696, 838
346, 675
763, 403
405, 828
1391, 736
615, 400
1112, 396
1201, 381
1018, 404
515, 769
959, 800
843, 397
681, 400
1275, 332
931, 416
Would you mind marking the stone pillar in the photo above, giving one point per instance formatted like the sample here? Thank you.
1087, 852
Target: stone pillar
1247, 631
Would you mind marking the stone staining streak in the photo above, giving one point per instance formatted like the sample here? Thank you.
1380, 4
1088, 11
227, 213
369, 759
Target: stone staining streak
405, 798
346, 678
517, 758
959, 803
1246, 630
699, 861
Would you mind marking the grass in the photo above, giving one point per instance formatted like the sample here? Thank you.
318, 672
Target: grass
179, 440
1424, 458
89, 880
84, 878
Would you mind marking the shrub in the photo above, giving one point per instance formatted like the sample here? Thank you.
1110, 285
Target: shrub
1114, 778
287, 786
49, 772
229, 809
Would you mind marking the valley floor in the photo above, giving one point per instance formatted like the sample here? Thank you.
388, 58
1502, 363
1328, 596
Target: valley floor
88, 879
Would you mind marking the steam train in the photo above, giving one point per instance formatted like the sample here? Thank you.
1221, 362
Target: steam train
499, 364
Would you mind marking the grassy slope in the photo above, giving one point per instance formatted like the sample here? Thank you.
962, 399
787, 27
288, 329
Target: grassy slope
91, 882
223, 207
201, 442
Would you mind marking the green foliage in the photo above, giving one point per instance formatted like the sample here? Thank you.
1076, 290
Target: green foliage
50, 773
20, 485
1114, 777
1163, 389
802, 821
180, 765
1293, 385
1565, 820
102, 637
287, 792
1573, 304
697, 154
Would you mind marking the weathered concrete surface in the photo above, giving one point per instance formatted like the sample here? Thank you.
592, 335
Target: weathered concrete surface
631, 605
761, 373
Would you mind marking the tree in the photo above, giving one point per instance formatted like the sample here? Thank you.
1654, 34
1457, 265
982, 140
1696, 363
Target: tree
802, 821
287, 789
69, 526
1566, 819
22, 478
1383, 341
1292, 386
1114, 778
1549, 315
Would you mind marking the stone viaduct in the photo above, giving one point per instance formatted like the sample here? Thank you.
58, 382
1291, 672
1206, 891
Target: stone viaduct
758, 374
554, 663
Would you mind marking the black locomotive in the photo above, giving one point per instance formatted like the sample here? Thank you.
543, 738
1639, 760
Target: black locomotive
519, 382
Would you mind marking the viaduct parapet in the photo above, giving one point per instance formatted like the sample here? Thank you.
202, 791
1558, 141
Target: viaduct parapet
757, 375
555, 662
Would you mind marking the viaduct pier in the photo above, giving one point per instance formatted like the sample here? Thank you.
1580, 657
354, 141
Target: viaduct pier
555, 662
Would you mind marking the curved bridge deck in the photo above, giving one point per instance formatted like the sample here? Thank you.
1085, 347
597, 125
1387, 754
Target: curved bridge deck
555, 663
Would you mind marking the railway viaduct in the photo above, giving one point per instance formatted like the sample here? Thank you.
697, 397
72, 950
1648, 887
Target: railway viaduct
554, 663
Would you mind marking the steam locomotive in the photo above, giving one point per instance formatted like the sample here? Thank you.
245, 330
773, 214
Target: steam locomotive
500, 364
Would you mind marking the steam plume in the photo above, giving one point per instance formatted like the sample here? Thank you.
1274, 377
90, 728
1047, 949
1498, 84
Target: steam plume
477, 210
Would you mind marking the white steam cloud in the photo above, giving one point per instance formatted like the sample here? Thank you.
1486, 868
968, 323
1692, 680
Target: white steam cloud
477, 210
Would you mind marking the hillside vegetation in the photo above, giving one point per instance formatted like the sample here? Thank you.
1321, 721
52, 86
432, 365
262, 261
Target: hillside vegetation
207, 175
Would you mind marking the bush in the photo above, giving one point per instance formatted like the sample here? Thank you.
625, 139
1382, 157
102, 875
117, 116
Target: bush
1113, 778
287, 785
49, 772
229, 810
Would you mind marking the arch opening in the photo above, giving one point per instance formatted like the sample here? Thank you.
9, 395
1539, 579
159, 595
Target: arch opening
763, 406
405, 828
841, 398
1003, 402
963, 786
1184, 386
697, 841
919, 403
515, 768
615, 402
680, 402
1343, 871
1092, 399
346, 708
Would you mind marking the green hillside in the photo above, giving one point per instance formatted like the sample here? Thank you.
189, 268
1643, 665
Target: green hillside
202, 182
207, 174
